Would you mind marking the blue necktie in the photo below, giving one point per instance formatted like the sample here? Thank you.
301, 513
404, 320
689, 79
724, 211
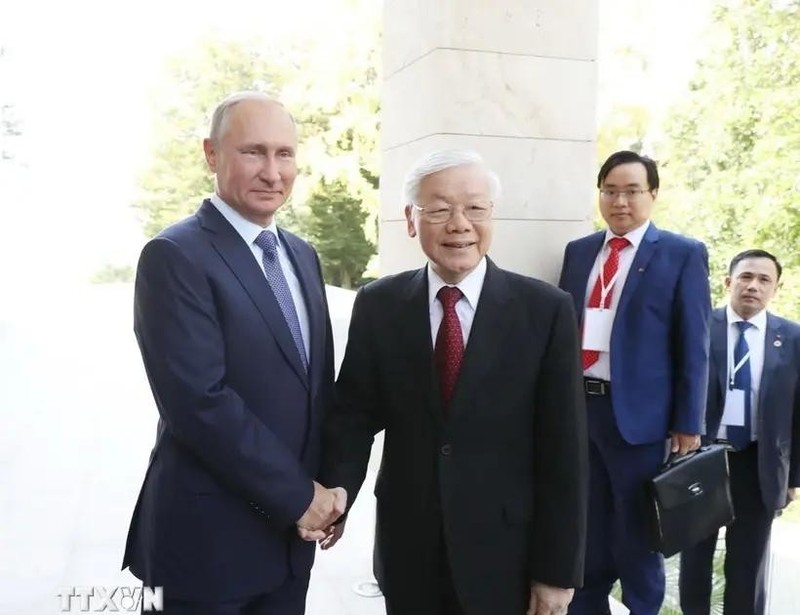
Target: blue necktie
268, 243
740, 436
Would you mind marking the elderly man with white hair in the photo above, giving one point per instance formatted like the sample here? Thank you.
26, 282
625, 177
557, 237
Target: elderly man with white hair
474, 374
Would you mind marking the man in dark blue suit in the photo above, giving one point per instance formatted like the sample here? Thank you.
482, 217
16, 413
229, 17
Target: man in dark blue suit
754, 404
231, 319
644, 299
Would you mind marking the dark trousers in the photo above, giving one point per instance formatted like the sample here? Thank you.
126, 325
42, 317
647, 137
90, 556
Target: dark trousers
288, 599
448, 602
746, 546
618, 539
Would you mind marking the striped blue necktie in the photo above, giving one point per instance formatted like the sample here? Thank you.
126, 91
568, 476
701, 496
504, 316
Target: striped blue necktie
740, 436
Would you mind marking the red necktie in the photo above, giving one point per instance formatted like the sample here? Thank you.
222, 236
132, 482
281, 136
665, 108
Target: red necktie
610, 267
449, 351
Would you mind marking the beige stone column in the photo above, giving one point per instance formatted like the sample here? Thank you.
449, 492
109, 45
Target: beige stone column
512, 79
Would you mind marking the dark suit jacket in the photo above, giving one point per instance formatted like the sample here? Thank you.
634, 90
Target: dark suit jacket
778, 403
659, 340
238, 439
505, 475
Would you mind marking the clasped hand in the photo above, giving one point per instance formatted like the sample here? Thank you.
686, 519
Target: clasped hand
326, 507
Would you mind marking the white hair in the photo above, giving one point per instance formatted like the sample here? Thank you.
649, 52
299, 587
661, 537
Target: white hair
220, 114
447, 159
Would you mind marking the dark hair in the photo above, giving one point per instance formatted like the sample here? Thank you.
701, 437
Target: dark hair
625, 157
754, 254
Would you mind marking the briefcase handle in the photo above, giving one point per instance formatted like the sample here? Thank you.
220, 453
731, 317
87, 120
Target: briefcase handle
675, 459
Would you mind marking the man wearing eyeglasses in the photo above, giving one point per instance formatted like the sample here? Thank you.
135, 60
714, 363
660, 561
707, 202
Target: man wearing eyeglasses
474, 374
644, 301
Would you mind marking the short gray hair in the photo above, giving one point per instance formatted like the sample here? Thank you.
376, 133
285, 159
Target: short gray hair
447, 159
223, 109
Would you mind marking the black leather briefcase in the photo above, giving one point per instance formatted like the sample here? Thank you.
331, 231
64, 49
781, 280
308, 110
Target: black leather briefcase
690, 499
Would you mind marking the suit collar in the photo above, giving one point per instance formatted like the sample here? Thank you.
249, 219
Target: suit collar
240, 260
248, 230
759, 321
585, 255
471, 285
639, 265
773, 351
635, 237
490, 328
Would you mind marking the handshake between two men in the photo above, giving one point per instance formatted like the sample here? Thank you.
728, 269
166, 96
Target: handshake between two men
317, 523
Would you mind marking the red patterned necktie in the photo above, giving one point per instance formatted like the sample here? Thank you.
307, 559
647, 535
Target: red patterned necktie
610, 267
449, 351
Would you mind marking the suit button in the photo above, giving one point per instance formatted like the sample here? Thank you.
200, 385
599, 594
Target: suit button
446, 449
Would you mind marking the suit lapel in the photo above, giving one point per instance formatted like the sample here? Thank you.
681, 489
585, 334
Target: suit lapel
719, 348
239, 258
773, 349
639, 266
414, 333
307, 274
489, 329
585, 259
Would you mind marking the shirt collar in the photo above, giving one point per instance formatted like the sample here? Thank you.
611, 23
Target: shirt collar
248, 230
635, 236
759, 321
471, 285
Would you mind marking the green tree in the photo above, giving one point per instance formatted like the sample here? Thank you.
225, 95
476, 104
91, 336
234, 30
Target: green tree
177, 175
732, 157
334, 98
335, 227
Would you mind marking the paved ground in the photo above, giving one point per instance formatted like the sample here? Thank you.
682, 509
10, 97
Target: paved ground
78, 423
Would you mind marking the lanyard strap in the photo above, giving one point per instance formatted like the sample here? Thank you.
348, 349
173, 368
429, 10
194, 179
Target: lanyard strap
738, 366
605, 289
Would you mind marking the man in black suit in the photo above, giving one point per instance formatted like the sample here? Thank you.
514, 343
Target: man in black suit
474, 374
232, 323
754, 405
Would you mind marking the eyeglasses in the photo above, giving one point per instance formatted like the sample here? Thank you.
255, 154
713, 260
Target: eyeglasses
439, 213
630, 194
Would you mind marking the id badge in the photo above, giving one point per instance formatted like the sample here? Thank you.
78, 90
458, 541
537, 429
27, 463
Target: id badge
734, 408
597, 326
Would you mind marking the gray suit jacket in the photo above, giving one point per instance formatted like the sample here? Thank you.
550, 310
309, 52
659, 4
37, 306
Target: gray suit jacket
778, 403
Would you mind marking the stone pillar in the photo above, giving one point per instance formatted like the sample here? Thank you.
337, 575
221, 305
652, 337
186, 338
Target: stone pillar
514, 80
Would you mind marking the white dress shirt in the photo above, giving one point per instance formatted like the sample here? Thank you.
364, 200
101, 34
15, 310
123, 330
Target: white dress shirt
756, 338
249, 231
470, 286
602, 368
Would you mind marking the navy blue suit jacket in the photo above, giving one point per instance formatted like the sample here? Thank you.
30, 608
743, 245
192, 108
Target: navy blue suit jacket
659, 339
238, 440
778, 403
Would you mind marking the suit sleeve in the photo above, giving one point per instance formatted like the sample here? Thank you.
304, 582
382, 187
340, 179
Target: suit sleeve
794, 460
182, 345
561, 464
691, 344
329, 367
713, 412
564, 265
351, 426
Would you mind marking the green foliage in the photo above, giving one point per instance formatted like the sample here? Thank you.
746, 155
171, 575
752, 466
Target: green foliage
335, 226
331, 86
177, 177
791, 514
109, 274
731, 170
671, 605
